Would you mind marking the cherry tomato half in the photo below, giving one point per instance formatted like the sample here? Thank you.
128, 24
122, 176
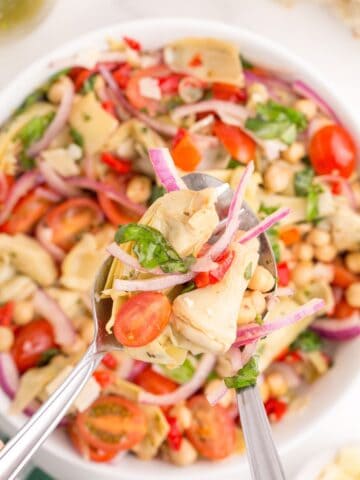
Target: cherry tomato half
342, 276
142, 318
71, 218
240, 146
6, 314
86, 451
116, 214
230, 93
31, 341
154, 382
333, 150
212, 431
26, 213
112, 423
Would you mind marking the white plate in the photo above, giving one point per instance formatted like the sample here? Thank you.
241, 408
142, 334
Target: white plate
57, 456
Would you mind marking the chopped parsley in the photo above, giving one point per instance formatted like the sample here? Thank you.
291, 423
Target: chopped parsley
246, 63
248, 271
275, 121
232, 164
157, 192
47, 356
245, 377
273, 232
188, 287
152, 249
307, 341
77, 137
312, 202
34, 97
208, 95
174, 102
267, 210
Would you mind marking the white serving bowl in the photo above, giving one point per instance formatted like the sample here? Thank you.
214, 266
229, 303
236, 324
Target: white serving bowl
57, 455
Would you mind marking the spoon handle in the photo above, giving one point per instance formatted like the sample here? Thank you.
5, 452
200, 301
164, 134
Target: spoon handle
261, 451
18, 451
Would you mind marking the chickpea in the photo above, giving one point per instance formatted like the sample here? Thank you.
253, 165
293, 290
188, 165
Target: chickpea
186, 455
56, 90
303, 251
277, 177
264, 391
326, 253
6, 339
87, 332
306, 107
352, 295
247, 312
302, 274
318, 237
183, 416
294, 153
139, 189
23, 312
77, 346
258, 93
262, 280
352, 261
258, 301
277, 384
227, 399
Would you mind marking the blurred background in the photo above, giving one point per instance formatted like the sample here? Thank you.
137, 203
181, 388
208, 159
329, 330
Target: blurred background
316, 31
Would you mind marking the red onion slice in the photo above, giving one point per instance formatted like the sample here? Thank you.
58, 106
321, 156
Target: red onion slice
58, 122
20, 188
264, 225
334, 329
9, 375
47, 194
203, 370
221, 107
130, 261
152, 284
233, 219
252, 332
44, 236
138, 367
61, 323
117, 195
165, 169
56, 182
160, 127
307, 92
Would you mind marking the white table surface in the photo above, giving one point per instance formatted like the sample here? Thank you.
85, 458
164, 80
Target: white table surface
307, 29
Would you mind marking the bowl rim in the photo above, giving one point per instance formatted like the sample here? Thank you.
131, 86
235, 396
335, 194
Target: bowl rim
38, 70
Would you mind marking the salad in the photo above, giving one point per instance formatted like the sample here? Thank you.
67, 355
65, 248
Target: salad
91, 164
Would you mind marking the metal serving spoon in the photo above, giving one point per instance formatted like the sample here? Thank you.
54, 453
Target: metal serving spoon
263, 458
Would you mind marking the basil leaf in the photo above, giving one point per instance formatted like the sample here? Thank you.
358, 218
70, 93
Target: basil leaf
312, 202
157, 191
181, 374
77, 137
245, 377
303, 181
34, 129
307, 341
47, 356
273, 120
29, 133
152, 249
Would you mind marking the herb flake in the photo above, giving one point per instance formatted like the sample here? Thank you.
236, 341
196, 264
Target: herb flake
307, 341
